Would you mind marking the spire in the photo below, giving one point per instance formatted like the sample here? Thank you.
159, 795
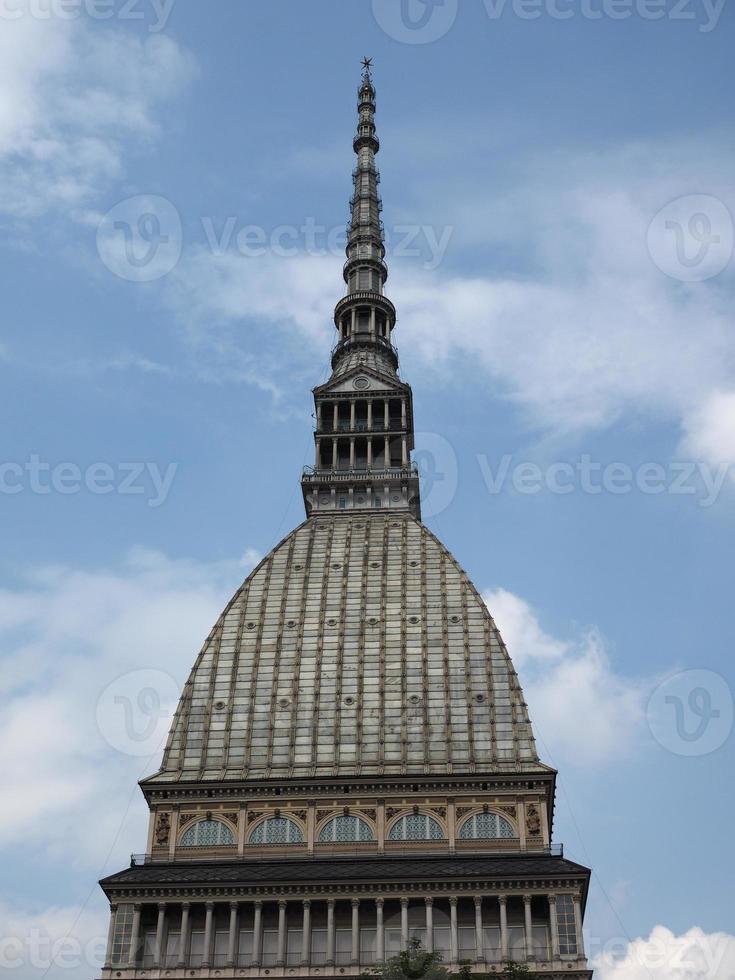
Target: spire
364, 413
365, 317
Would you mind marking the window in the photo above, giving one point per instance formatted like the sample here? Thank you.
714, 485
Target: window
416, 826
221, 944
345, 828
483, 826
566, 925
208, 833
277, 830
245, 948
377, 502
121, 935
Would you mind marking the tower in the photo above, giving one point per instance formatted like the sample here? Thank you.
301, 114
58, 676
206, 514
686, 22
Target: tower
351, 764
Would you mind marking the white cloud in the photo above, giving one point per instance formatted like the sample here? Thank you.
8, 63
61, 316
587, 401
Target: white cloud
694, 955
580, 331
52, 941
67, 635
74, 100
571, 687
709, 432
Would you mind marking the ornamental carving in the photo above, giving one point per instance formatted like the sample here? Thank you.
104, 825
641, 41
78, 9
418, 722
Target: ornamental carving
320, 814
440, 811
253, 815
163, 828
533, 821
370, 814
232, 817
299, 814
461, 810
391, 811
510, 810
185, 818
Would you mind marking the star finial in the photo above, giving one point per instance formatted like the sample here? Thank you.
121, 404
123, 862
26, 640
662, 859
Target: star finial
367, 64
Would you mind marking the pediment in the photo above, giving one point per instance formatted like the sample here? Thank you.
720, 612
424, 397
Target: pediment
360, 379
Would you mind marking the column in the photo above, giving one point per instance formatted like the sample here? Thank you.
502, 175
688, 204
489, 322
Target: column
381, 818
404, 450
403, 414
404, 923
353, 321
232, 938
353, 406
503, 901
110, 935
386, 414
554, 925
370, 452
184, 938
454, 938
311, 812
158, 951
319, 416
355, 954
352, 452
281, 956
330, 932
379, 932
451, 824
372, 321
334, 454
241, 828
578, 924
336, 416
318, 454
306, 933
134, 937
173, 833
521, 815
257, 933
387, 452
370, 414
479, 938
528, 926
208, 923
429, 944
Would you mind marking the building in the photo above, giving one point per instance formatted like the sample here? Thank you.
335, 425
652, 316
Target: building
351, 763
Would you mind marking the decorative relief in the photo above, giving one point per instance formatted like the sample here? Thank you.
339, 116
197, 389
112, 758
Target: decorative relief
440, 811
391, 811
185, 818
533, 820
232, 817
510, 810
370, 814
254, 815
320, 814
299, 814
461, 810
163, 828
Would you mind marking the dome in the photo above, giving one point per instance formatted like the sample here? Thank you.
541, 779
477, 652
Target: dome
357, 647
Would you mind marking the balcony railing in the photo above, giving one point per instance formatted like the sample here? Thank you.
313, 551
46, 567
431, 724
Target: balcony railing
299, 852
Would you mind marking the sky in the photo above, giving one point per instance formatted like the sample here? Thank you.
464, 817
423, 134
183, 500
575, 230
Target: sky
558, 201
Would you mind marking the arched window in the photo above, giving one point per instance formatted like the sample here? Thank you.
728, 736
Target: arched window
345, 828
416, 826
482, 826
208, 833
277, 830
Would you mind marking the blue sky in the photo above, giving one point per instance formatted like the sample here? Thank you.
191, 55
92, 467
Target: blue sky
557, 191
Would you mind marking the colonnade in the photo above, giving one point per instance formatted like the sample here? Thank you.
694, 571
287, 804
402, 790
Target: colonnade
221, 944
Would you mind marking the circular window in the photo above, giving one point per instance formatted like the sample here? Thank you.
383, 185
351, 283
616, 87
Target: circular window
361, 383
251, 626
